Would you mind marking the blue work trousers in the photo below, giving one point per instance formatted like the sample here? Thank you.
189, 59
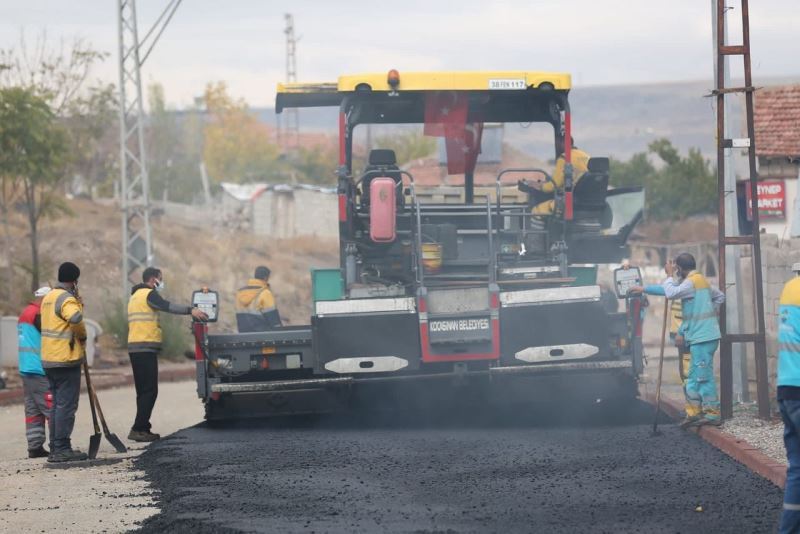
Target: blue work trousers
790, 413
700, 387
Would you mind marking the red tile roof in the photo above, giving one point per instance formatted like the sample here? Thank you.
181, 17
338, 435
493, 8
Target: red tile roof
777, 121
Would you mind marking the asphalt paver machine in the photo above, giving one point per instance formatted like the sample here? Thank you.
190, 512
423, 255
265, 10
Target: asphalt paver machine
436, 295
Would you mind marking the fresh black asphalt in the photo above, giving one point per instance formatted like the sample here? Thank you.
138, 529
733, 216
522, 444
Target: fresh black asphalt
593, 471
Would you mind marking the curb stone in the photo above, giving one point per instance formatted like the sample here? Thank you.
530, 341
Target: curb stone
736, 448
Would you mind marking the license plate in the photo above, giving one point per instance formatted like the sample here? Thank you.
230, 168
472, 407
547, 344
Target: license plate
507, 83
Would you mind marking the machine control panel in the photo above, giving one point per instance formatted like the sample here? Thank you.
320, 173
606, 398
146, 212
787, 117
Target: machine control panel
626, 278
207, 301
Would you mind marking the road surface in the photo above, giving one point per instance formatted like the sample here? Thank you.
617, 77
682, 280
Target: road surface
596, 470
99, 498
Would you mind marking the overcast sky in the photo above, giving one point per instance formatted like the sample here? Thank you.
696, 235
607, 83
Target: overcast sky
600, 42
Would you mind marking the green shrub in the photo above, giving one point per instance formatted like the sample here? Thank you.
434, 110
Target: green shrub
115, 321
177, 335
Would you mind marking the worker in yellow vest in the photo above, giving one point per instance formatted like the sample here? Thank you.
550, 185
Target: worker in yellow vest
144, 344
255, 304
63, 351
542, 193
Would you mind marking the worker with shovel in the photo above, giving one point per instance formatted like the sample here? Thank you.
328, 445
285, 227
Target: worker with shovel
63, 350
684, 355
789, 396
698, 333
144, 344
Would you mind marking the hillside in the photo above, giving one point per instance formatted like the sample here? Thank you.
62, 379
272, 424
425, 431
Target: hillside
190, 259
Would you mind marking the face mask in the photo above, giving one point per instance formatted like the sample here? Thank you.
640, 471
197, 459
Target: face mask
159, 285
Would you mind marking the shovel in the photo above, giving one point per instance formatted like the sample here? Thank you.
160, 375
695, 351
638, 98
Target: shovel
94, 439
660, 368
112, 438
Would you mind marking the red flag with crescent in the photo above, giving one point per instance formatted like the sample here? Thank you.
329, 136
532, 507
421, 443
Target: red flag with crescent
446, 116
444, 111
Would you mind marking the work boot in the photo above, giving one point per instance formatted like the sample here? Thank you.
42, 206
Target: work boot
710, 421
39, 452
69, 455
144, 436
690, 421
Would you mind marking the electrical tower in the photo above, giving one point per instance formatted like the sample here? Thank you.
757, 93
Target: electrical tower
291, 125
137, 242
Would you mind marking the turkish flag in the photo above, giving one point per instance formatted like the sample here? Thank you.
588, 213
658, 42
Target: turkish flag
445, 113
463, 147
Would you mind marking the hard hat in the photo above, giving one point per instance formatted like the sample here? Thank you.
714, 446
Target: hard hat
42, 291
796, 267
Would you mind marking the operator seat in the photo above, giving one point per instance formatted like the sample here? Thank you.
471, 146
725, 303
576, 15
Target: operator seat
385, 161
589, 194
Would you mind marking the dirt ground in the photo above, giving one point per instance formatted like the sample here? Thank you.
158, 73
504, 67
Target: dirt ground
101, 498
190, 258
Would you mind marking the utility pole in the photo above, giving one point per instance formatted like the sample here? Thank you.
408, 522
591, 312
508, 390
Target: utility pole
137, 239
290, 136
758, 336
735, 313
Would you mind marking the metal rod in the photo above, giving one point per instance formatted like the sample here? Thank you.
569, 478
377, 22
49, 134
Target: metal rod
762, 377
725, 363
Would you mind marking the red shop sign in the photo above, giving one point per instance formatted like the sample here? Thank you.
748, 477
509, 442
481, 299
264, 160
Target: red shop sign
771, 200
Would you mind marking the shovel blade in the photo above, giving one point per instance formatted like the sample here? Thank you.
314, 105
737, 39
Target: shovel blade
94, 445
116, 443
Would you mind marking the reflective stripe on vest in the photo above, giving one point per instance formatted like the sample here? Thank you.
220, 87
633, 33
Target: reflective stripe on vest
58, 344
144, 332
699, 316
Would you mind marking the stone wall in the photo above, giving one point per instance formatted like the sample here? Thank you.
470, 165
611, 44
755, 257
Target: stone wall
777, 257
287, 213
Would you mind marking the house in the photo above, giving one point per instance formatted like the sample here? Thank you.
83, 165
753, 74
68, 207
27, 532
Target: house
777, 129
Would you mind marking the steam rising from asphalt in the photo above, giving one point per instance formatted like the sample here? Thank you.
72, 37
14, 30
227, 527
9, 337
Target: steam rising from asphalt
441, 405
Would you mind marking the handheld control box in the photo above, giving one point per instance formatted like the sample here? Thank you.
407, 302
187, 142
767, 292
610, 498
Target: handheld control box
207, 301
626, 278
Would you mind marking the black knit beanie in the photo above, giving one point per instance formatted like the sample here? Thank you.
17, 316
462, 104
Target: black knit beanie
68, 272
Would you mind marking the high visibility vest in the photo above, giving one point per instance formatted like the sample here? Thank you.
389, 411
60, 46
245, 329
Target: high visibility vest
789, 334
699, 316
255, 307
144, 332
61, 340
580, 166
29, 342
676, 316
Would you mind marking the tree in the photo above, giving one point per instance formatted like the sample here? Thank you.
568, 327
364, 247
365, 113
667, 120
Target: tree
91, 120
677, 188
237, 146
55, 73
32, 150
47, 82
408, 146
316, 165
174, 148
